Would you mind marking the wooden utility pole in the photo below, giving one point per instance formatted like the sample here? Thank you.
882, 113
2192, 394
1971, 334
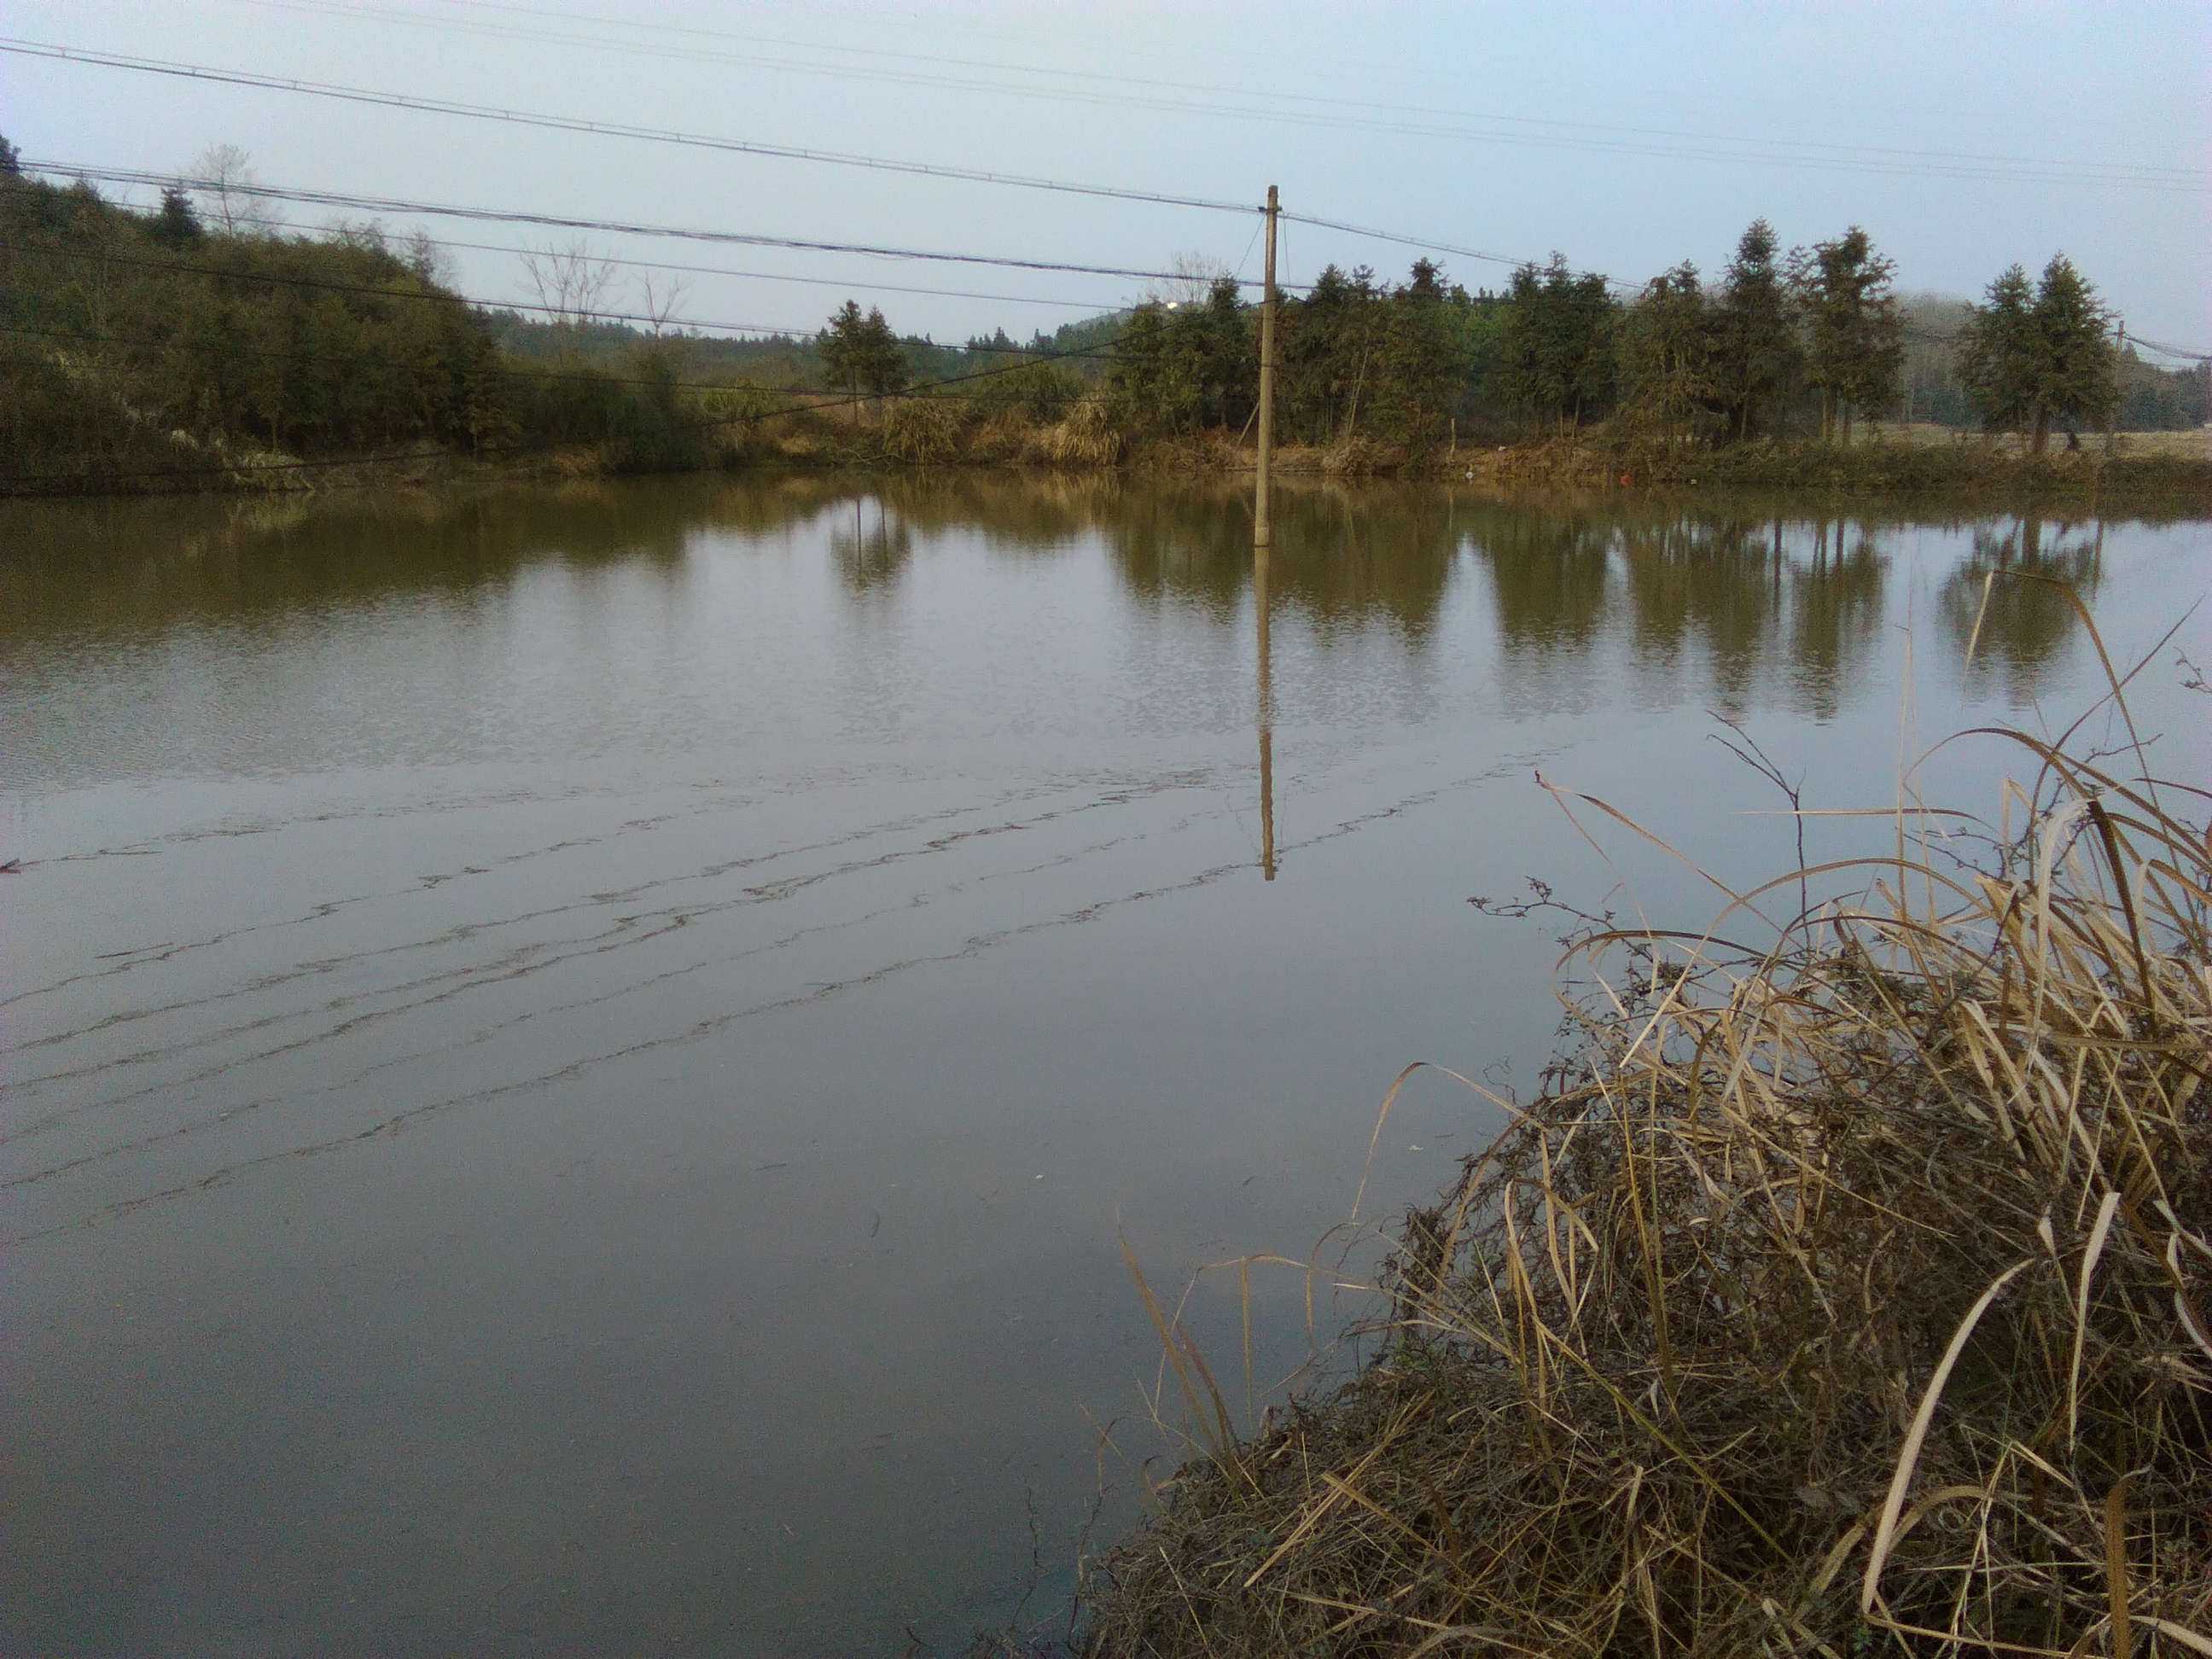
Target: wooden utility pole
1262, 529
2119, 353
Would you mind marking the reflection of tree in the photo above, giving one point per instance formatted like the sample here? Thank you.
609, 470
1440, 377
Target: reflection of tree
1711, 577
1340, 555
88, 567
2027, 624
872, 549
1548, 570
1740, 587
1835, 609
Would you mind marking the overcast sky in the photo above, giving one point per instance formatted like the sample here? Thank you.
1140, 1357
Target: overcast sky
1629, 138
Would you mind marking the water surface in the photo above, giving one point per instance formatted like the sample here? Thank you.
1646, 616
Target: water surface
576, 1060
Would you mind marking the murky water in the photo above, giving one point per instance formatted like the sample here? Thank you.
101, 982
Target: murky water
576, 1062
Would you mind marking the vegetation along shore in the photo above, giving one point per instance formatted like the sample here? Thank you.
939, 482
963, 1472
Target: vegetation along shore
1846, 1289
202, 345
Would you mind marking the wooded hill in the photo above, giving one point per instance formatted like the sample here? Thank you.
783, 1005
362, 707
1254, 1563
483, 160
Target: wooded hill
138, 347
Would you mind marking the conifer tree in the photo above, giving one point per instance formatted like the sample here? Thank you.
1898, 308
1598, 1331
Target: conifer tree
2029, 359
1555, 358
1421, 365
1757, 356
177, 225
2075, 377
861, 353
1668, 352
1855, 335
1996, 353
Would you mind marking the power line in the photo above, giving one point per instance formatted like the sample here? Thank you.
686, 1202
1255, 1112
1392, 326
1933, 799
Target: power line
2167, 351
602, 129
1095, 307
1428, 247
605, 227
426, 295
606, 377
1360, 114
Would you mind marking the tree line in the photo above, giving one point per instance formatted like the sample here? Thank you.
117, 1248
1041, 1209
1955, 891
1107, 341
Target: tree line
1808, 344
138, 340
138, 343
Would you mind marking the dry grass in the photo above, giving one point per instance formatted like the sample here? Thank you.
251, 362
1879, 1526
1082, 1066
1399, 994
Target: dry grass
1843, 1295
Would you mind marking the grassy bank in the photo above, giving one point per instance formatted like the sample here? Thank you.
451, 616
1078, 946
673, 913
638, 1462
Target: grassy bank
1842, 1294
728, 430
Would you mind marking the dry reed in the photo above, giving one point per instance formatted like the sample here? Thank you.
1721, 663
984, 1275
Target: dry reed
1845, 1295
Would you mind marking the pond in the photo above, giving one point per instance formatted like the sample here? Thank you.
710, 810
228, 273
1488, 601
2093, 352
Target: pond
579, 1063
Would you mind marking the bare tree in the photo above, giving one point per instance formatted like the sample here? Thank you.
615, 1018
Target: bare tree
224, 180
572, 284
658, 298
1194, 275
431, 263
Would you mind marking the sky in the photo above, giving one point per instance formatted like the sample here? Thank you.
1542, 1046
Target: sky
1629, 138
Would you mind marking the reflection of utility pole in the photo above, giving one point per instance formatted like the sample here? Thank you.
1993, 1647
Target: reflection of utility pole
1267, 718
1262, 537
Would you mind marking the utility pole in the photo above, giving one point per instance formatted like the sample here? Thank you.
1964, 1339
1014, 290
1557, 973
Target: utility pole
2119, 353
1262, 529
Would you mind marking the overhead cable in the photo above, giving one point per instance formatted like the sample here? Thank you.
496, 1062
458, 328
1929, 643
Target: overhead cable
607, 226
603, 129
1304, 109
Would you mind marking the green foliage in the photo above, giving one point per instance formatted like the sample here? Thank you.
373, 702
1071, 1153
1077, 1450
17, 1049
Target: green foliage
1855, 335
1554, 360
1757, 359
860, 354
1325, 349
2028, 359
178, 225
1997, 353
1186, 367
1354, 360
2153, 399
1043, 391
922, 431
312, 347
1422, 365
637, 414
1669, 353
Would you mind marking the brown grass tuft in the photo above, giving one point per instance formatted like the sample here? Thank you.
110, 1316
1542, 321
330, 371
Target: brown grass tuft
1850, 1295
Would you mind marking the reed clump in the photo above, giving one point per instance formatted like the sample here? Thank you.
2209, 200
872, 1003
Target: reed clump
1846, 1294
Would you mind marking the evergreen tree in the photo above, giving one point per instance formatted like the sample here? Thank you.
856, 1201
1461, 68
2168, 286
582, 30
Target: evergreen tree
1321, 355
1218, 353
1996, 352
2075, 377
861, 354
1555, 354
1857, 346
1136, 383
2028, 359
1422, 368
11, 160
1757, 356
177, 225
1668, 352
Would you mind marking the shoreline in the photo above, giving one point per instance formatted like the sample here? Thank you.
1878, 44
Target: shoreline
2168, 470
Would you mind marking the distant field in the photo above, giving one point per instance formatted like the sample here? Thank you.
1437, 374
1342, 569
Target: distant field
2195, 443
